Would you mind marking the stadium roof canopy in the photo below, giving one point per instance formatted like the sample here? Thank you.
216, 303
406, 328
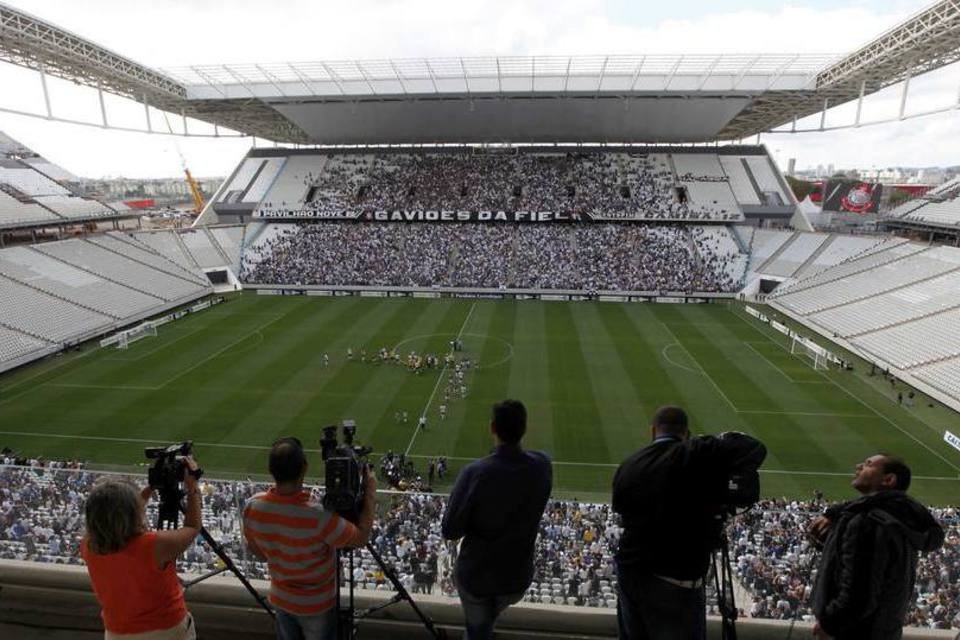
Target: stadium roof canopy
621, 99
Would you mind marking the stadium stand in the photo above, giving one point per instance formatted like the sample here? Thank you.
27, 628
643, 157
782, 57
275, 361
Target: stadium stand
896, 303
741, 185
230, 242
36, 192
167, 243
47, 317
72, 284
41, 520
939, 206
61, 293
15, 345
608, 185
793, 254
586, 257
74, 207
110, 265
201, 246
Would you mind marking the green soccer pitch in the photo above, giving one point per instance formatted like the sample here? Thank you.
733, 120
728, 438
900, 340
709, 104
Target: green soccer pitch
234, 377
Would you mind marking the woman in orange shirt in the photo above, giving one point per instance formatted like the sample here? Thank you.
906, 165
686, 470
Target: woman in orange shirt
133, 569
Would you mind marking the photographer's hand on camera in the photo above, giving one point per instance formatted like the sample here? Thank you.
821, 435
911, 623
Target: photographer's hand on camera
171, 543
367, 513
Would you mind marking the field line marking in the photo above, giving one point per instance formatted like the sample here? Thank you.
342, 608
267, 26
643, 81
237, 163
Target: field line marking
443, 372
227, 445
666, 356
697, 362
805, 413
5, 398
111, 387
857, 398
219, 352
770, 362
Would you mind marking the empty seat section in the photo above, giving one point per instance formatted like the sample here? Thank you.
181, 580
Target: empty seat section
96, 259
44, 316
82, 287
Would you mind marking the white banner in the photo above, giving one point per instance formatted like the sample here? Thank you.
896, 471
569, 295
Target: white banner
952, 440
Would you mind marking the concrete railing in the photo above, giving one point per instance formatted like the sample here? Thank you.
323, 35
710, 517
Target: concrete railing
58, 599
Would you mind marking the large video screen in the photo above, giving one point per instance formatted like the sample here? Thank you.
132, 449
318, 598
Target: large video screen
852, 196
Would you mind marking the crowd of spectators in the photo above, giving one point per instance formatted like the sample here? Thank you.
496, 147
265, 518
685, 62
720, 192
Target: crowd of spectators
585, 257
41, 520
617, 185
776, 562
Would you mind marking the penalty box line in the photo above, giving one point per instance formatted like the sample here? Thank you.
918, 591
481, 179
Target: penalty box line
565, 463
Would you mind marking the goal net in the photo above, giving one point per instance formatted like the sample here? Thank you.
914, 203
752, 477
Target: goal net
812, 351
128, 337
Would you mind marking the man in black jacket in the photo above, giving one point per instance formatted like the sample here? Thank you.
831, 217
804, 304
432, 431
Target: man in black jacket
668, 494
496, 506
869, 562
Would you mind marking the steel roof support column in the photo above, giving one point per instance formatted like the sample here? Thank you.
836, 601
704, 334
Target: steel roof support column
146, 113
46, 94
903, 95
863, 90
103, 108
823, 112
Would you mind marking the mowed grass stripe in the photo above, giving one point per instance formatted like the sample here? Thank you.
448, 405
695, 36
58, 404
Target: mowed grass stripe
529, 379
578, 430
622, 413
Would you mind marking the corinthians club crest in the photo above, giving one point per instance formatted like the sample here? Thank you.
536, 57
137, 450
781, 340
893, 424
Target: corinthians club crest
859, 199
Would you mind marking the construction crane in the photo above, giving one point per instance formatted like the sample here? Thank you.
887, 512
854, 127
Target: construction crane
198, 202
195, 193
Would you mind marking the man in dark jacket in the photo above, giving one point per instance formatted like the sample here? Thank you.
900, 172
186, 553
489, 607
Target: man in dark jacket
869, 562
668, 494
496, 506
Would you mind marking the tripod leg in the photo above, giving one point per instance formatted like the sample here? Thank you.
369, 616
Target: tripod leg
403, 594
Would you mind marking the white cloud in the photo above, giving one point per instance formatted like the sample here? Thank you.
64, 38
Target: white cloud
181, 32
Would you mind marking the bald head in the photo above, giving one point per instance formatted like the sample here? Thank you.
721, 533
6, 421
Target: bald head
670, 421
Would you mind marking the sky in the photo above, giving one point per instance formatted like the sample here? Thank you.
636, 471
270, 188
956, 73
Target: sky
171, 33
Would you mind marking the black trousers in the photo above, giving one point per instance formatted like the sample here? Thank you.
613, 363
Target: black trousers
650, 608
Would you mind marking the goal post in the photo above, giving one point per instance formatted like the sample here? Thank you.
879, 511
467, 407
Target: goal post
812, 351
128, 337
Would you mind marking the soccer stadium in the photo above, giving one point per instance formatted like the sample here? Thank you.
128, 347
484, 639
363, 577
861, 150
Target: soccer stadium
422, 238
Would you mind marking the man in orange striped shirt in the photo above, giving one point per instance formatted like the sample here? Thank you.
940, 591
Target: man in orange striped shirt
295, 535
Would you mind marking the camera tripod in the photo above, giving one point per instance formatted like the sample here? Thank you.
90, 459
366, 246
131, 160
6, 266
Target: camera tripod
349, 615
168, 511
723, 583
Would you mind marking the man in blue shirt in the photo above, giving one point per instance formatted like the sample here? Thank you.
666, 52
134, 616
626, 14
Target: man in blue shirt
496, 506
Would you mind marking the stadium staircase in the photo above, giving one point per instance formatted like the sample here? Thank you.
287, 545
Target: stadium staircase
96, 273
186, 251
776, 254
813, 256
60, 297
745, 248
216, 245
753, 180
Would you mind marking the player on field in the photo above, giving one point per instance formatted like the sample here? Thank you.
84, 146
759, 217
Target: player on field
443, 412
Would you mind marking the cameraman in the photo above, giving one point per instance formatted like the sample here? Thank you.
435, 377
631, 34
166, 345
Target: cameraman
293, 533
669, 495
132, 569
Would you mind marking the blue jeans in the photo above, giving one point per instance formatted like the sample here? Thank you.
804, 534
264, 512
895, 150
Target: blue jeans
650, 608
318, 627
480, 612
